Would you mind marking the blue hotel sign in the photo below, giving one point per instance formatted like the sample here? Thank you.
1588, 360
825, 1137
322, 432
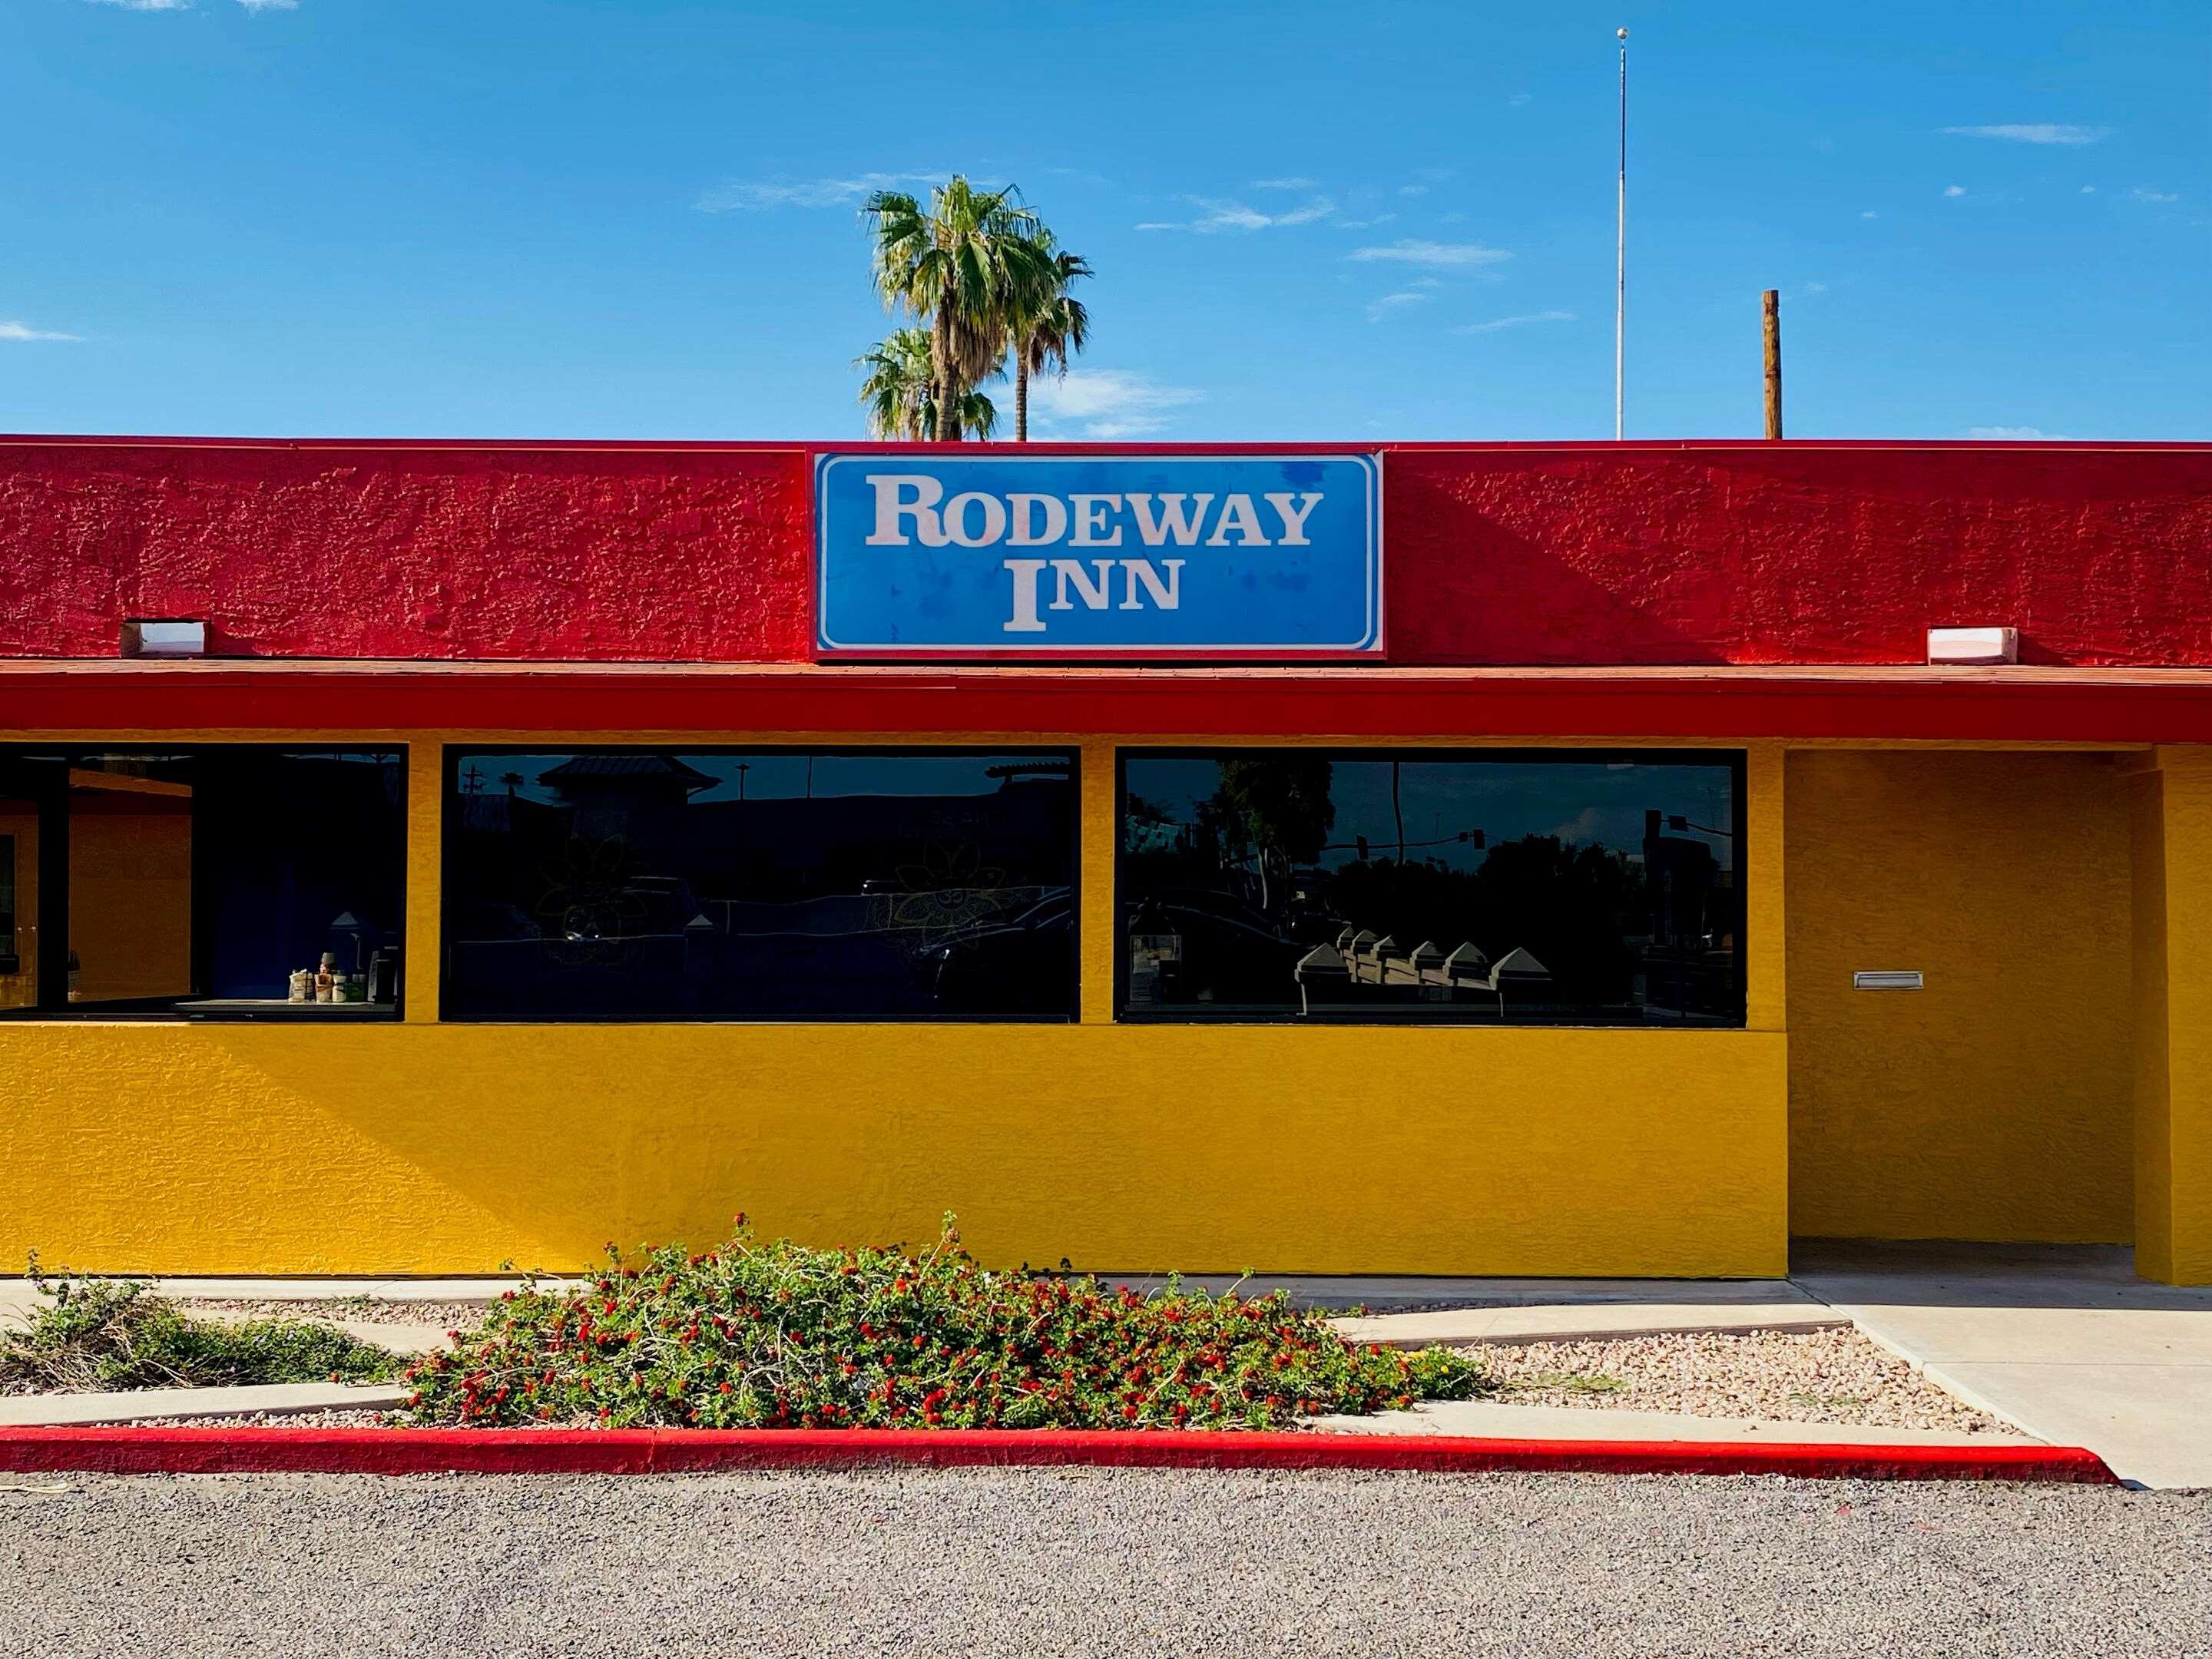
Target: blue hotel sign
1131, 556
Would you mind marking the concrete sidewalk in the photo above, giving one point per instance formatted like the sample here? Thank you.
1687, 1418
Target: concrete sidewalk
1490, 1421
2062, 1340
1579, 1321
19, 1411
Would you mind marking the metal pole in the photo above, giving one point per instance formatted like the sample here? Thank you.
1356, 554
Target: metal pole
1620, 268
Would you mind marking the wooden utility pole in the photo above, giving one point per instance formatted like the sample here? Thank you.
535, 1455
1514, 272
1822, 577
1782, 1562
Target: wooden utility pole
1769, 305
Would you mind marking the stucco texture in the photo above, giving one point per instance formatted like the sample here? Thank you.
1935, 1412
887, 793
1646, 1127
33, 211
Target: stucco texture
447, 1149
421, 552
1996, 1103
1797, 553
1703, 553
2172, 821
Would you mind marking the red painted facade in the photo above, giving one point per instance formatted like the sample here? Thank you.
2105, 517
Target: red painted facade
1589, 556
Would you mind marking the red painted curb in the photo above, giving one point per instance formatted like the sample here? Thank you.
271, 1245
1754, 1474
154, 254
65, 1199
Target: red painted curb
670, 1451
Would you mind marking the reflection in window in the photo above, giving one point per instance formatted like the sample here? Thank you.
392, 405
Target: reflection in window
19, 918
211, 881
759, 885
1565, 887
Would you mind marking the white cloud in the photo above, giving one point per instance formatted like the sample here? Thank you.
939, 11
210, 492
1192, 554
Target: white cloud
2034, 133
1382, 308
2011, 433
2143, 193
147, 5
1516, 100
1365, 224
1412, 190
1216, 216
758, 195
25, 331
1112, 403
2089, 190
1954, 189
1869, 214
1498, 323
1286, 184
1434, 175
1441, 254
270, 5
1815, 288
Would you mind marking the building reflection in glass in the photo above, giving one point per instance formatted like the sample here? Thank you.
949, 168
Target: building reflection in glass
761, 885
1573, 887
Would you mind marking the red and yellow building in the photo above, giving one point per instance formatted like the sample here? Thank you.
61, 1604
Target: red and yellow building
416, 651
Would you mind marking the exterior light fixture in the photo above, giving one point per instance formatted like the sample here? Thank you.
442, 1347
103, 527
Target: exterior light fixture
1960, 647
149, 637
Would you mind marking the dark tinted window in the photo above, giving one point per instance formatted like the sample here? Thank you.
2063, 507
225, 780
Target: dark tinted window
201, 880
763, 885
1567, 887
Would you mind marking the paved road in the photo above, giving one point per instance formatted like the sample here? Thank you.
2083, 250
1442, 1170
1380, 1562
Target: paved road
1022, 1562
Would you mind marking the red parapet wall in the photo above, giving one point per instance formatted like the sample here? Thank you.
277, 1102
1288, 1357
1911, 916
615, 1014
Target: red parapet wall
1565, 555
588, 553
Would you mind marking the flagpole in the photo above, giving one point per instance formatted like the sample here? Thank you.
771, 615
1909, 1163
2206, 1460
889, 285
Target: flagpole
1620, 266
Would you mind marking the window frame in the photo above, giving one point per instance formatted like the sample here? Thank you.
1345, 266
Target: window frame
1737, 760
450, 828
51, 880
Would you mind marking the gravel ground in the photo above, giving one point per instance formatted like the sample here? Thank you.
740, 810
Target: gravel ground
330, 1419
1090, 1563
1795, 1376
362, 1310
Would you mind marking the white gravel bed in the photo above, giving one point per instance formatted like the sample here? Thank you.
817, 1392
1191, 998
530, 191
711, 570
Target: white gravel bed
329, 1420
359, 1310
1791, 1377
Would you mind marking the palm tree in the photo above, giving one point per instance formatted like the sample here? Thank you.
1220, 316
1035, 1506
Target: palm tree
960, 265
899, 390
1048, 332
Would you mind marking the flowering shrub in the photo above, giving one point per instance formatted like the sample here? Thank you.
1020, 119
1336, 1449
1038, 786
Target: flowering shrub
777, 1335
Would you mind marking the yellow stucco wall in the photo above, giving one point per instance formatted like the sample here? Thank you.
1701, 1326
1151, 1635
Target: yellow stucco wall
415, 1149
424, 1148
2172, 801
1997, 1102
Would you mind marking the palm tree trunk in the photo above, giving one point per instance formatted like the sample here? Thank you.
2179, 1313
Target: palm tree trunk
948, 383
1021, 394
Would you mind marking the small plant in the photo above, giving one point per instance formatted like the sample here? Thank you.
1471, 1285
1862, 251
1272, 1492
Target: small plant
1567, 1383
99, 1334
1827, 1402
778, 1336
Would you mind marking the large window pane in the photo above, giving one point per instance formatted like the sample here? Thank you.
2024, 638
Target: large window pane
774, 883
202, 881
1562, 887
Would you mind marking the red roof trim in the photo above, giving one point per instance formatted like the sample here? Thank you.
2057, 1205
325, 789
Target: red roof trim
2093, 706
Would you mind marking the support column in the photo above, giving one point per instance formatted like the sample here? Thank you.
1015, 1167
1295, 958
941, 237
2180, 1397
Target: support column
1760, 866
1101, 839
2171, 824
426, 803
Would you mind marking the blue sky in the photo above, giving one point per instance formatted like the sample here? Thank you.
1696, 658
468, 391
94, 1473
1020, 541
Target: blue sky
489, 217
